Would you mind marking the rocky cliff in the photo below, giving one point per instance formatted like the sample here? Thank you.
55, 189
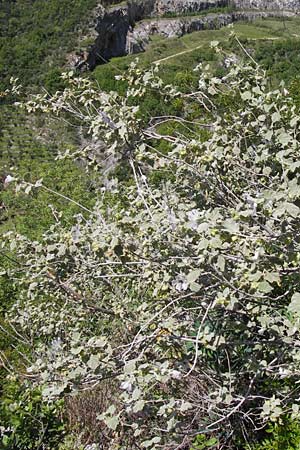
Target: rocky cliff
162, 7
179, 27
122, 29
166, 7
113, 30
282, 5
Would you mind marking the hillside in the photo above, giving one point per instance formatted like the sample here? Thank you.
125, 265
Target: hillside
129, 29
36, 35
149, 218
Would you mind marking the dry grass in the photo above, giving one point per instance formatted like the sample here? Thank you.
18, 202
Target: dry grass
82, 409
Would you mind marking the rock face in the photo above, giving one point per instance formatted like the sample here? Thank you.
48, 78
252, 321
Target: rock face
282, 5
179, 27
166, 7
112, 31
122, 30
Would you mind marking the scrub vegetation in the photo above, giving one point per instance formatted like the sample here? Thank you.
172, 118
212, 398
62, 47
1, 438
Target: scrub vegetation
150, 291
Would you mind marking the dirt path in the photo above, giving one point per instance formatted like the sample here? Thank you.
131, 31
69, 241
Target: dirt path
158, 61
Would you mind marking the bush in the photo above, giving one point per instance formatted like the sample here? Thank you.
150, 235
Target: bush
27, 421
281, 59
183, 290
53, 81
203, 443
284, 435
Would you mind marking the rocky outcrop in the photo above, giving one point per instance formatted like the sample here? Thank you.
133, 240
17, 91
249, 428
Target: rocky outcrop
122, 30
281, 5
169, 7
114, 28
178, 27
112, 31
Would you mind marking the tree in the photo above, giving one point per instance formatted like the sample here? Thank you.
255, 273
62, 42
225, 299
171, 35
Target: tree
182, 285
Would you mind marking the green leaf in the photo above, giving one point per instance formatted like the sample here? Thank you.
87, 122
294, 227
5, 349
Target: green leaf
264, 287
231, 226
193, 275
294, 306
112, 422
94, 362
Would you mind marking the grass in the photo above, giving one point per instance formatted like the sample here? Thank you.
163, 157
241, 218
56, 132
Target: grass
269, 40
201, 13
161, 47
204, 12
118, 5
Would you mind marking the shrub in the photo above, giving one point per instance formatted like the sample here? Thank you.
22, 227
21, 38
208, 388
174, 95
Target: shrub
27, 421
283, 435
185, 290
201, 442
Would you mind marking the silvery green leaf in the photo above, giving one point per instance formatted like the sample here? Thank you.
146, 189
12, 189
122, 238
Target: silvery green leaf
231, 225
130, 367
138, 406
246, 95
94, 362
292, 209
275, 117
136, 394
264, 287
195, 287
294, 305
193, 275
284, 138
112, 422
272, 277
221, 263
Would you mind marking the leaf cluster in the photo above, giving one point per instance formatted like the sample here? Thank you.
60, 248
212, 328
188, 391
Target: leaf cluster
182, 284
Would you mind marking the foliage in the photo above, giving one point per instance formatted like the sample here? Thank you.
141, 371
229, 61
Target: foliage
295, 91
30, 33
183, 289
202, 443
35, 213
281, 58
27, 421
29, 149
283, 435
